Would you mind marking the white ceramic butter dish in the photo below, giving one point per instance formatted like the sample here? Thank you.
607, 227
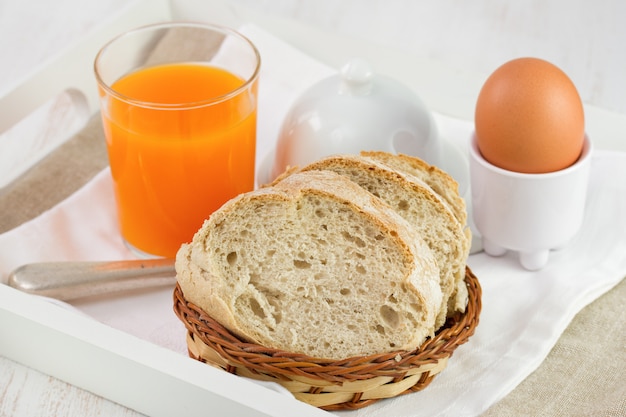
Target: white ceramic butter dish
352, 111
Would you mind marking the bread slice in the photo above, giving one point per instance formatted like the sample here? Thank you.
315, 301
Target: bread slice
314, 264
416, 202
444, 185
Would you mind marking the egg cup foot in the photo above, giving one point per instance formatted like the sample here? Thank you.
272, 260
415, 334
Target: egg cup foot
534, 260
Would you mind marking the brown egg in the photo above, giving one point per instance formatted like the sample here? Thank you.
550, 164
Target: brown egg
529, 118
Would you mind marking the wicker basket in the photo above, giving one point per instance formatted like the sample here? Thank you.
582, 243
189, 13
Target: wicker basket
330, 384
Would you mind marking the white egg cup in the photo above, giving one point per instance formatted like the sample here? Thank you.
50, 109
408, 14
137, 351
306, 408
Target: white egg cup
528, 213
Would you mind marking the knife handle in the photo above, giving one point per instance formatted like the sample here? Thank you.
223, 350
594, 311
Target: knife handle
71, 280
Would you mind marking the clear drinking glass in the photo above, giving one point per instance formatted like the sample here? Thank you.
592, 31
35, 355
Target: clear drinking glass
178, 105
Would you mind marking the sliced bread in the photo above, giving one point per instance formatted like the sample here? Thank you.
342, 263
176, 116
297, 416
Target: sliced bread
444, 185
416, 202
314, 264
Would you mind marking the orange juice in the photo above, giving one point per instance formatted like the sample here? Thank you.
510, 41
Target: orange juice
181, 146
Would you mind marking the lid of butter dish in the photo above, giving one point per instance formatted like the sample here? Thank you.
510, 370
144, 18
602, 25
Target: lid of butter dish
353, 111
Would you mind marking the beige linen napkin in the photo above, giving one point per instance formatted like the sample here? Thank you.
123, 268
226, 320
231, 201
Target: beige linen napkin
55, 178
524, 312
584, 373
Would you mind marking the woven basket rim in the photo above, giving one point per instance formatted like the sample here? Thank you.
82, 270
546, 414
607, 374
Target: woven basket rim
282, 364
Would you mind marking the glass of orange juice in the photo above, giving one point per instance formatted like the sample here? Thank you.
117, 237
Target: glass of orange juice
178, 103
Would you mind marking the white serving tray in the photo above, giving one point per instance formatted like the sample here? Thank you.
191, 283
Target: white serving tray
131, 371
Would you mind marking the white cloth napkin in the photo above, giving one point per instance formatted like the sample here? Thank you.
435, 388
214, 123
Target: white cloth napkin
523, 314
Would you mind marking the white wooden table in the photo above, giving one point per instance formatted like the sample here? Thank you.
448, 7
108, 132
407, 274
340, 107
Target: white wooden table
586, 39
